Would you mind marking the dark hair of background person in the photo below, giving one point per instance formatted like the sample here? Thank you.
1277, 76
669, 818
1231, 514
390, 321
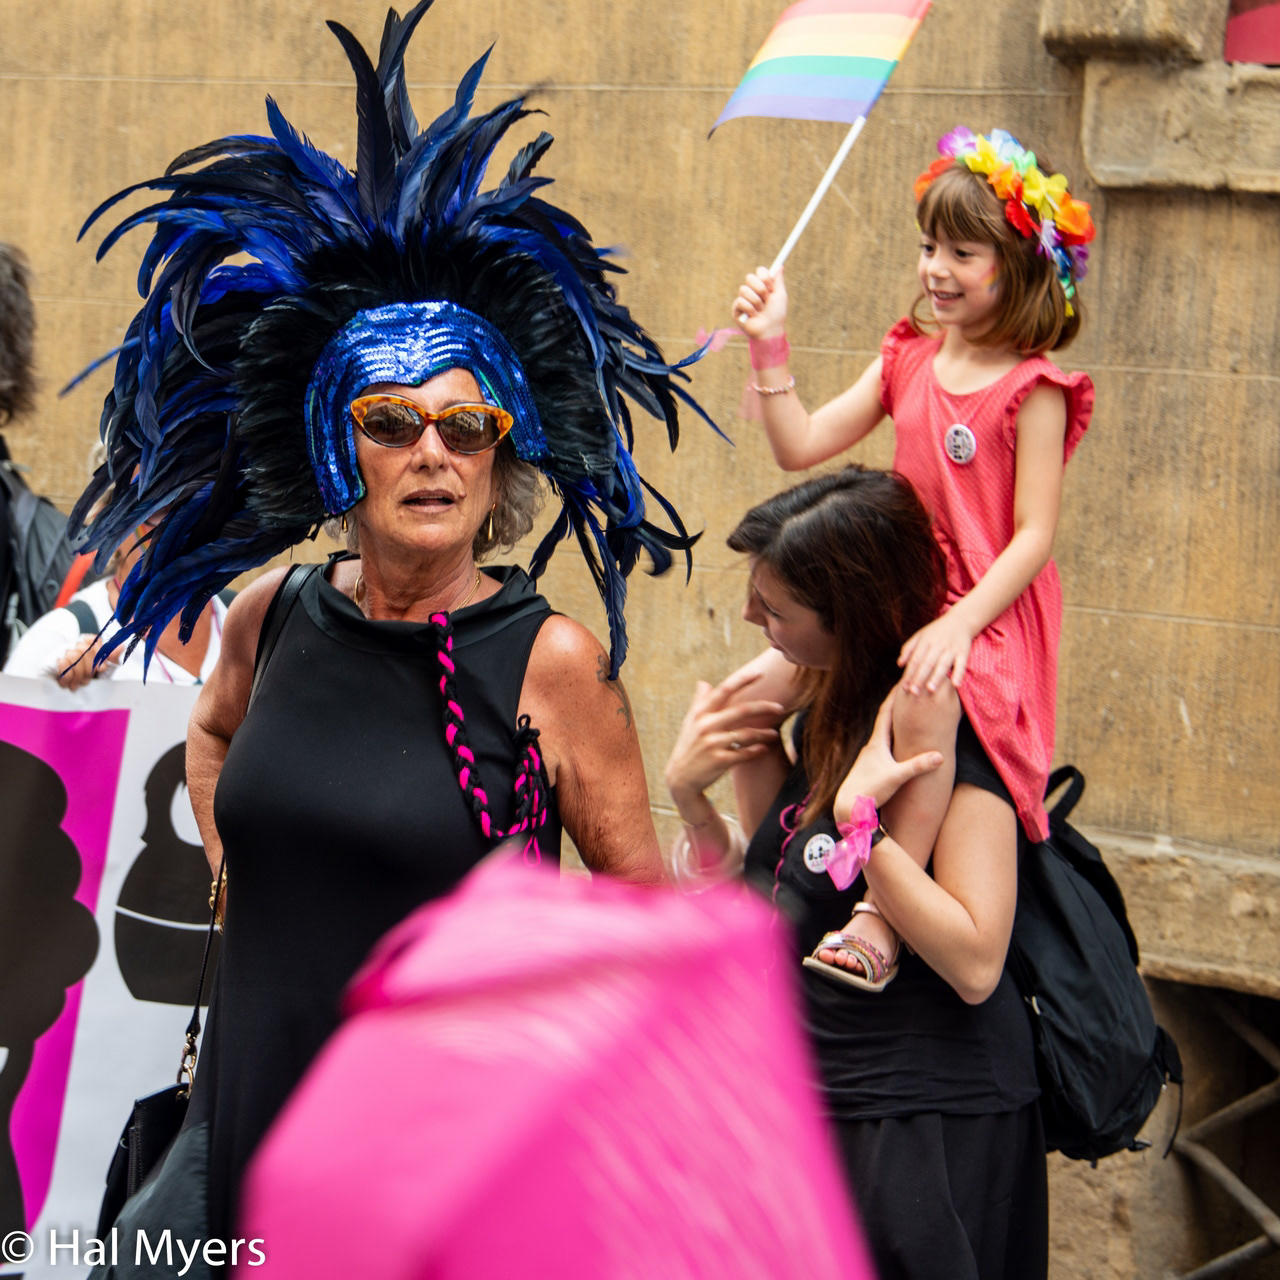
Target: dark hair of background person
17, 335
1032, 317
856, 546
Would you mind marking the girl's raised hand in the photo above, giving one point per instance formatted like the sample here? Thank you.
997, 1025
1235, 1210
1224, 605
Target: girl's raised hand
875, 772
935, 651
716, 736
760, 309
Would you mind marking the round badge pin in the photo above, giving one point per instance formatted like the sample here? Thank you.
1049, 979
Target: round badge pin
960, 443
817, 851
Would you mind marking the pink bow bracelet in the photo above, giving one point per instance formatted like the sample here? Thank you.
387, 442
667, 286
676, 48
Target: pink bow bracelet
863, 830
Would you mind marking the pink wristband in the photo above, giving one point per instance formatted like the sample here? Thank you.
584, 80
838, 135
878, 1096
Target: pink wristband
847, 859
769, 353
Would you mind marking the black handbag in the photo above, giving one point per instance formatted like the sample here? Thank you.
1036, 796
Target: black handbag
1101, 1059
155, 1120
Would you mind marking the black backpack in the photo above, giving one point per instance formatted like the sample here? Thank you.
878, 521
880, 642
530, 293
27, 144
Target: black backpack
1101, 1058
34, 556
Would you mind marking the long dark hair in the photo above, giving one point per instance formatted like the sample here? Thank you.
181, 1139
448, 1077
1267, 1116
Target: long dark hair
856, 547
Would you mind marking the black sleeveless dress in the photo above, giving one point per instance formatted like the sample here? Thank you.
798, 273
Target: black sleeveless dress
339, 813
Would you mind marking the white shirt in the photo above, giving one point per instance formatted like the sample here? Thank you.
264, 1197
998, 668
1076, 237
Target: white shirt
39, 652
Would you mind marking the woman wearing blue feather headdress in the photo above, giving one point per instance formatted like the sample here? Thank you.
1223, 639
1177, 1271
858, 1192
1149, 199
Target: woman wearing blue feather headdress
399, 351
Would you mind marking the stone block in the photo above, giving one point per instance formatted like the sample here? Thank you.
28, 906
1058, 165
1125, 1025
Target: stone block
1201, 915
1181, 30
1174, 725
1170, 289
1164, 513
1211, 127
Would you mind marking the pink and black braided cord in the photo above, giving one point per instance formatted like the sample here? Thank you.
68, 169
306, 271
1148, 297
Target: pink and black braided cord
531, 799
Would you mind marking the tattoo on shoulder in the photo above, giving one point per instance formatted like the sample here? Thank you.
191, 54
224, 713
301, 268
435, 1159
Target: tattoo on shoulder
602, 674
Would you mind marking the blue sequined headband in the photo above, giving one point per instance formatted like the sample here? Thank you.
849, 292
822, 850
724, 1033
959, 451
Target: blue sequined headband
407, 343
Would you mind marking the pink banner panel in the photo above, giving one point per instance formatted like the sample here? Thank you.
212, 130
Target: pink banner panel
84, 749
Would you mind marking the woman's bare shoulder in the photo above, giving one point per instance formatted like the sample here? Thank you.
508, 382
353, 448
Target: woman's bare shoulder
566, 660
567, 689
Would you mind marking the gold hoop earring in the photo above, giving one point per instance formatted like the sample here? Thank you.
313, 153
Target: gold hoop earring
344, 522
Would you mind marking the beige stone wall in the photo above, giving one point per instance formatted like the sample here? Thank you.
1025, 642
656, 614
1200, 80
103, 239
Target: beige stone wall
1168, 548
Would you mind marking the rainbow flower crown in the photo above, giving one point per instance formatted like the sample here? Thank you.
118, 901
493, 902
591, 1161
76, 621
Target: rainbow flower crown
1064, 225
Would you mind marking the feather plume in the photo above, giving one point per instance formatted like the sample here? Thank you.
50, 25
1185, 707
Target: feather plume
375, 154
264, 247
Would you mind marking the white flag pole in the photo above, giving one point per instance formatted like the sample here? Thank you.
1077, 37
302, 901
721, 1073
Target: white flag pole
827, 179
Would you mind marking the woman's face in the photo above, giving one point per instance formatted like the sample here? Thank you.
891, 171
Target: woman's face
423, 496
131, 549
795, 630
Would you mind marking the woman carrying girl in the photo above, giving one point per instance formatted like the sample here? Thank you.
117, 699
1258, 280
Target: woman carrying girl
931, 1085
984, 425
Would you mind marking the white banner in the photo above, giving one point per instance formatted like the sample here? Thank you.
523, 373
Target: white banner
103, 913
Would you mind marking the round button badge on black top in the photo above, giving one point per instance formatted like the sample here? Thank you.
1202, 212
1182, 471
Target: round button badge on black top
817, 851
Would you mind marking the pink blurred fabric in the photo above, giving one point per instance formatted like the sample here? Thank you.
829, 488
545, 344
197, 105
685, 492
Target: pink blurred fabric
561, 1080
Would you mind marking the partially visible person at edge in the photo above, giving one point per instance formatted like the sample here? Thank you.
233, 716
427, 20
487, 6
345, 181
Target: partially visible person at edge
17, 398
984, 424
931, 1080
409, 375
59, 647
17, 336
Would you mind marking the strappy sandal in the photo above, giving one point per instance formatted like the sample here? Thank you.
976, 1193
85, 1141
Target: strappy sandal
877, 972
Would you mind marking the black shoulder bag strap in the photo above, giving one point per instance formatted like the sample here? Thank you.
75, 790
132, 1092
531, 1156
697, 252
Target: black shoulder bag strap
272, 624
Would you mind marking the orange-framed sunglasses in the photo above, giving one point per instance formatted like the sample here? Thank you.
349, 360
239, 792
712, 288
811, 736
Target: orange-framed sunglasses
396, 423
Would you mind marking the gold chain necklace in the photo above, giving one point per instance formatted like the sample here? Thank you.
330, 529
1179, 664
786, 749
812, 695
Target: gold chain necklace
466, 600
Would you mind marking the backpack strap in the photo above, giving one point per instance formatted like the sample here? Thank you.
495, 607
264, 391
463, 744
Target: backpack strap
85, 618
1170, 1062
274, 619
1074, 779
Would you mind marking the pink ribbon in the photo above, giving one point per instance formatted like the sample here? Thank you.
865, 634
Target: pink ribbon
769, 353
853, 852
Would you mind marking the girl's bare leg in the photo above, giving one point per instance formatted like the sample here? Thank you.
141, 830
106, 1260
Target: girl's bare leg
921, 722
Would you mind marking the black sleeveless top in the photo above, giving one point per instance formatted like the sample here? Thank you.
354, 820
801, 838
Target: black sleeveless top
340, 812
914, 1047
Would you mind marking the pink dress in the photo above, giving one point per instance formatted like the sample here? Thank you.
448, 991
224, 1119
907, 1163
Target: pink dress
958, 452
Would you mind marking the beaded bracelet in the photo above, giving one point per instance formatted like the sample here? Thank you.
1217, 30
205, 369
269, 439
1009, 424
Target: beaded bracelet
773, 391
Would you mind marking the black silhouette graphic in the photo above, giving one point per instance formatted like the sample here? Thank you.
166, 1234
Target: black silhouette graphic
48, 940
166, 889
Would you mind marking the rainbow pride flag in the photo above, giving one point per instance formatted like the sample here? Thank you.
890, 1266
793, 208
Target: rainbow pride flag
826, 60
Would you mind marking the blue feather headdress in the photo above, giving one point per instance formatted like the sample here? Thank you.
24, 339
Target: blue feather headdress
204, 424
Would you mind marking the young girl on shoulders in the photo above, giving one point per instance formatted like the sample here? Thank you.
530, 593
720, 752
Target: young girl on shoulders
984, 425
